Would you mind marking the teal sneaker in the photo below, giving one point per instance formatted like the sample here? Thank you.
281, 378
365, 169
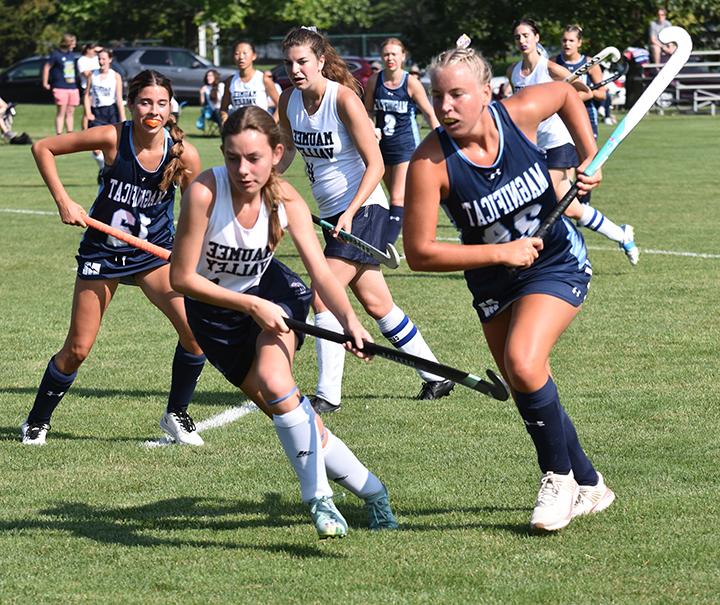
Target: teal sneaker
329, 523
628, 244
380, 515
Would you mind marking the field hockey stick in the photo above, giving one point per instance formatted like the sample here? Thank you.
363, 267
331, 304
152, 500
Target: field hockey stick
390, 258
677, 60
127, 238
608, 53
622, 68
496, 388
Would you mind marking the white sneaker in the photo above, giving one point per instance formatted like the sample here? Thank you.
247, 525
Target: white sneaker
34, 433
180, 426
554, 504
593, 498
628, 245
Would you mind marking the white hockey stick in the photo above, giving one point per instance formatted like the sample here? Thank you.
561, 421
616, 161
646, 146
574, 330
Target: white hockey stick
609, 53
674, 34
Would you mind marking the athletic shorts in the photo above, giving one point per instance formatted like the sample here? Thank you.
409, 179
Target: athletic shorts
104, 115
66, 96
228, 337
569, 285
369, 224
564, 156
394, 153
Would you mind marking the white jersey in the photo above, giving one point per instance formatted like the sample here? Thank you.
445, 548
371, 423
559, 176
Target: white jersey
232, 256
248, 93
332, 162
103, 89
551, 132
87, 64
207, 91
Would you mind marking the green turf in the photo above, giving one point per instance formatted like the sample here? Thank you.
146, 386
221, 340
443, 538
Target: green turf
94, 517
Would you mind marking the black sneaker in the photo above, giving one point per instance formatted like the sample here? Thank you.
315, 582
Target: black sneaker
323, 406
435, 390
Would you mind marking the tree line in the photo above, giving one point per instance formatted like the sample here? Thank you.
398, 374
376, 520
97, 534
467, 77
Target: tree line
426, 26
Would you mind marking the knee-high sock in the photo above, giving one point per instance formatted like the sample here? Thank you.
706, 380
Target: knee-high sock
597, 221
404, 335
300, 438
53, 386
186, 369
343, 467
583, 469
331, 360
543, 417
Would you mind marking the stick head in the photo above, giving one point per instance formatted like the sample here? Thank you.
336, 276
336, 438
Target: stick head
611, 54
679, 37
393, 261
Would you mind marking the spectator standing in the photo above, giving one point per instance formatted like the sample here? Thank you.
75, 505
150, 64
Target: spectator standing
59, 75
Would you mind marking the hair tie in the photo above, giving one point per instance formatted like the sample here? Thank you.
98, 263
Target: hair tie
311, 28
463, 42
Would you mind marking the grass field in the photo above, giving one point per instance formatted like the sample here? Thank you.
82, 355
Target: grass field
96, 517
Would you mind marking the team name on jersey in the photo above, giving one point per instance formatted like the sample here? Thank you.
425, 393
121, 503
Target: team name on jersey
508, 198
244, 97
134, 195
314, 144
236, 261
392, 106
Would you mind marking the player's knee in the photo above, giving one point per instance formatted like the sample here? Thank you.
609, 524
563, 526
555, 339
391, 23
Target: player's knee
71, 357
523, 370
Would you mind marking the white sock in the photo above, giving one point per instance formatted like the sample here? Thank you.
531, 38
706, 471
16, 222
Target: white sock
597, 221
343, 467
404, 335
100, 159
300, 439
331, 360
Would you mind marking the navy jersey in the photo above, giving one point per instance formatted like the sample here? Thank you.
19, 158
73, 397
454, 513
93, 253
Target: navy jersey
395, 117
590, 105
129, 199
505, 202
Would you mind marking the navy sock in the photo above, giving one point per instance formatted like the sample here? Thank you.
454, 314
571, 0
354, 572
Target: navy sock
543, 417
186, 369
583, 469
53, 386
394, 224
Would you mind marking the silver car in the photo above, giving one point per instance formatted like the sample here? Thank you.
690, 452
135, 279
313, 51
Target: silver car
185, 69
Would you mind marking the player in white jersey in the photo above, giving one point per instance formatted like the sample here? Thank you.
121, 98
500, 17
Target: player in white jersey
249, 86
103, 99
555, 140
326, 120
237, 296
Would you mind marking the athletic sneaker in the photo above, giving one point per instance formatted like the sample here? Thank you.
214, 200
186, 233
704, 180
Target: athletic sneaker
555, 500
435, 390
180, 426
380, 515
34, 433
628, 244
593, 498
322, 406
329, 523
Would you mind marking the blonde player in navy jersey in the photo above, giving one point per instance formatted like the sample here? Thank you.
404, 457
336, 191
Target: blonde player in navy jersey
555, 140
484, 168
325, 119
392, 98
249, 86
237, 296
146, 159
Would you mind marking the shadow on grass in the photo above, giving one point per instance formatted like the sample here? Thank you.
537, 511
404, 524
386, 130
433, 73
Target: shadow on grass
200, 397
143, 526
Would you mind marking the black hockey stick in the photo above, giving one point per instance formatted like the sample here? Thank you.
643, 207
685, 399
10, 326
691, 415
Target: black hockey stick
497, 389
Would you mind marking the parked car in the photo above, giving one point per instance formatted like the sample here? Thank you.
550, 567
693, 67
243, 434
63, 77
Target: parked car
185, 69
358, 66
22, 81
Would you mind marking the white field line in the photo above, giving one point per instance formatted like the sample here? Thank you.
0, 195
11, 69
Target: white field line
454, 239
228, 416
